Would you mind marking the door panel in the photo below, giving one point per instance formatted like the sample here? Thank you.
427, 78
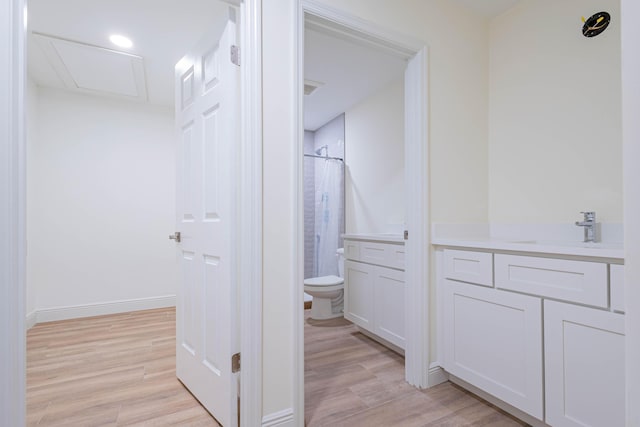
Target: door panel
494, 342
358, 293
584, 366
207, 118
389, 305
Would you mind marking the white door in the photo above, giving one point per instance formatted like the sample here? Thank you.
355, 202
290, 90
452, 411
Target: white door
207, 119
493, 340
388, 302
584, 366
358, 293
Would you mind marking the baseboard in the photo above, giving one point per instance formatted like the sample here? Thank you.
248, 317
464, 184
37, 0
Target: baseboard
100, 309
31, 319
282, 418
436, 375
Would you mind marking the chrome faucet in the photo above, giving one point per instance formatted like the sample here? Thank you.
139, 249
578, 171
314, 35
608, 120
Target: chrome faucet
589, 224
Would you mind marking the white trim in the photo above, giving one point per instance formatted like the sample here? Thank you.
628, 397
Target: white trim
282, 418
335, 22
437, 375
249, 241
418, 269
31, 320
439, 289
298, 206
12, 213
103, 308
630, 36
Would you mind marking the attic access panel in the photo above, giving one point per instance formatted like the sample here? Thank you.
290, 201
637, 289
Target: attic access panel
93, 69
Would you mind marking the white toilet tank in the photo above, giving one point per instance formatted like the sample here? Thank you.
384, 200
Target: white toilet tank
340, 255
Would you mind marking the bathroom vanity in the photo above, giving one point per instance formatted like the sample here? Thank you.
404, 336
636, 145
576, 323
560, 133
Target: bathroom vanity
537, 325
374, 287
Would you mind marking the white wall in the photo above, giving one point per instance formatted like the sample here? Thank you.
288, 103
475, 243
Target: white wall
458, 97
280, 141
555, 143
374, 158
101, 191
631, 136
32, 135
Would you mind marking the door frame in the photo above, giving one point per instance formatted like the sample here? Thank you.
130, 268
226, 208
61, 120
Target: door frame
249, 222
13, 215
416, 183
630, 35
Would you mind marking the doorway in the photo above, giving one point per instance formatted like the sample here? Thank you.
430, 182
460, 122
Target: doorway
417, 299
130, 185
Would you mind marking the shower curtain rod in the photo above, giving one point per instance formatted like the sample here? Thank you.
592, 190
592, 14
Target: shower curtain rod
324, 157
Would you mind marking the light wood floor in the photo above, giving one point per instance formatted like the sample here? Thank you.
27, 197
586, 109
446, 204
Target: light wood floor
116, 370
350, 380
119, 370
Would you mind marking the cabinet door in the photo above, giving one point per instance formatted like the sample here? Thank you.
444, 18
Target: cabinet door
493, 340
584, 366
358, 293
389, 305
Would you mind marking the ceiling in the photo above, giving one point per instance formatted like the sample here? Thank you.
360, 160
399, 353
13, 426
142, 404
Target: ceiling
350, 72
161, 33
488, 8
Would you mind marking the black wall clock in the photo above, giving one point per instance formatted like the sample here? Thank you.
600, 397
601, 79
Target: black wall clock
596, 24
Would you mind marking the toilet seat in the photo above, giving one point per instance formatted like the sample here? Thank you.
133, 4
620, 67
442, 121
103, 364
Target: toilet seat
324, 281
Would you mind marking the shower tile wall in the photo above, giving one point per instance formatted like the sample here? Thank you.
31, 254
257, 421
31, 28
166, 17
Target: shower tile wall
332, 135
309, 205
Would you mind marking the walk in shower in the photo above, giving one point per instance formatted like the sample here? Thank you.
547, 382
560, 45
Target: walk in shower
323, 198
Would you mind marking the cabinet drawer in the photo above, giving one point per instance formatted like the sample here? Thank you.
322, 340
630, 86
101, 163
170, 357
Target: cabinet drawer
576, 281
383, 254
616, 279
352, 250
469, 266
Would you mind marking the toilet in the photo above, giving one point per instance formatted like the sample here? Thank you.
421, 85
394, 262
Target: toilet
327, 292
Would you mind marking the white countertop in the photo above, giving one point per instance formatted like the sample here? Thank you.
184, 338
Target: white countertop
386, 238
598, 250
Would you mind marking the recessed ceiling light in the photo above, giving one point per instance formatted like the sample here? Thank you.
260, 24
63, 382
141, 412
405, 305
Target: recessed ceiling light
121, 41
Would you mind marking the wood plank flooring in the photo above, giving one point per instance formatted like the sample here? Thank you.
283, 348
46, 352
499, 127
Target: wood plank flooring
119, 370
351, 380
116, 370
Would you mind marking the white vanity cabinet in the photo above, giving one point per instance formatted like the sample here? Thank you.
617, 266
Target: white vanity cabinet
374, 288
358, 293
542, 334
584, 366
494, 342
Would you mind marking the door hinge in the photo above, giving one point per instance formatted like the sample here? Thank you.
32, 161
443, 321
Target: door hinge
235, 55
406, 234
235, 363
